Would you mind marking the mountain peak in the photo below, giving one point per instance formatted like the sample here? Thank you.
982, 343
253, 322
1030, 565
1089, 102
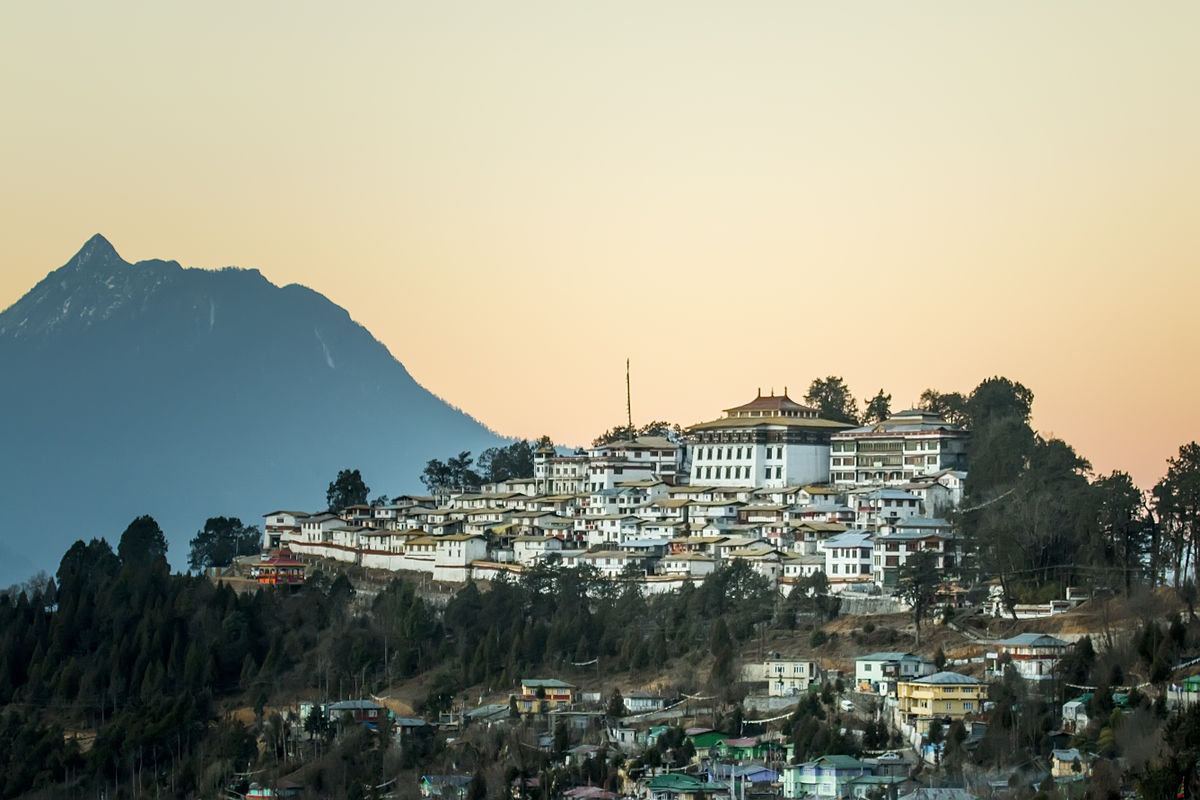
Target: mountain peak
95, 251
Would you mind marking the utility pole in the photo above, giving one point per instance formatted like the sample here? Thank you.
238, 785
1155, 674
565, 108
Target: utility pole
629, 404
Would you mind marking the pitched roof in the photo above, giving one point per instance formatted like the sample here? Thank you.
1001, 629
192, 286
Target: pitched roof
885, 655
833, 762
1033, 640
948, 679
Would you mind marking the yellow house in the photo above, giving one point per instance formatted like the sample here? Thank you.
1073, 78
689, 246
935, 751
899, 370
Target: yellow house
942, 696
544, 694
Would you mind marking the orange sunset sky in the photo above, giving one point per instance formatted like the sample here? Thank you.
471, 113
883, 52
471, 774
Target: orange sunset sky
515, 197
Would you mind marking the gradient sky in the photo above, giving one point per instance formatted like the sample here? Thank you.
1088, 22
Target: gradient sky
514, 197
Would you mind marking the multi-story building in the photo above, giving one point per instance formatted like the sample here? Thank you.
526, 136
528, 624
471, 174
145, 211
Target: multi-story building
1032, 655
789, 676
879, 507
902, 447
848, 557
942, 695
281, 526
634, 459
769, 442
893, 549
544, 694
827, 776
881, 672
555, 474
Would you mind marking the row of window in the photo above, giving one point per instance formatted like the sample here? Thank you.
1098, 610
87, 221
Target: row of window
735, 453
908, 445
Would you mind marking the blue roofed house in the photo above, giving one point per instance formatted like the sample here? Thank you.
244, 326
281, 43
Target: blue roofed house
742, 773
1033, 655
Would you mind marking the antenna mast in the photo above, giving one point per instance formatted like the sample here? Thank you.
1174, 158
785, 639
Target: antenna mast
628, 404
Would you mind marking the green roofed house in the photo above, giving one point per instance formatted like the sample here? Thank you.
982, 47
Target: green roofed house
704, 738
827, 776
1075, 713
1185, 693
684, 787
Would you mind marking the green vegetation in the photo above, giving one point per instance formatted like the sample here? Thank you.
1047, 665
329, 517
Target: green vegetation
348, 489
222, 540
621, 433
832, 397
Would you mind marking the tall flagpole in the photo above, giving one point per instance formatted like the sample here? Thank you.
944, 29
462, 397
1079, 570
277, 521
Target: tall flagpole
629, 404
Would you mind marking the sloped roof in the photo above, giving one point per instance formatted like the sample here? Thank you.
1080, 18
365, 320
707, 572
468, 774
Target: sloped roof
1033, 640
948, 679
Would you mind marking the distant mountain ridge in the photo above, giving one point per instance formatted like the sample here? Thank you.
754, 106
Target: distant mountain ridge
190, 393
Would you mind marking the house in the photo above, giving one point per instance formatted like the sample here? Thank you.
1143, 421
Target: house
283, 788
704, 738
848, 557
1067, 765
639, 702
884, 507
675, 785
450, 787
787, 677
693, 564
279, 527
771, 441
880, 672
412, 726
943, 695
637, 459
800, 565
926, 793
360, 710
751, 748
1075, 713
742, 773
1033, 655
532, 549
1185, 693
613, 563
544, 694
894, 547
827, 776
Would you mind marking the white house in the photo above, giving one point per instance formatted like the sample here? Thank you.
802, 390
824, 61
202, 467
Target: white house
882, 671
1033, 655
880, 507
787, 677
532, 549
687, 563
280, 528
848, 557
613, 562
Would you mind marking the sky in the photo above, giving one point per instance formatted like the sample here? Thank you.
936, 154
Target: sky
516, 197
